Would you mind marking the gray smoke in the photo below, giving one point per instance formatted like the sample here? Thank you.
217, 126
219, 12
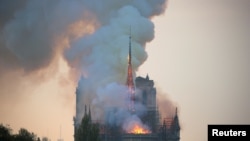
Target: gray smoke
31, 32
102, 58
93, 38
31, 29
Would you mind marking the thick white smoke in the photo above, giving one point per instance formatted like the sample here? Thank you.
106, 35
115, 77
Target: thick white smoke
102, 58
93, 37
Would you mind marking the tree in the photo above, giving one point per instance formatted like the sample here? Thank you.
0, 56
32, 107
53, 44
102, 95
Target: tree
45, 139
25, 135
5, 133
87, 131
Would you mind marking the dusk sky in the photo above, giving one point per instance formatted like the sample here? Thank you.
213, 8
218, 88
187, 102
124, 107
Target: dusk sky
199, 59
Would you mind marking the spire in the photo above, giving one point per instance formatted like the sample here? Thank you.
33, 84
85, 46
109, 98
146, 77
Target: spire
130, 79
129, 58
176, 126
89, 113
147, 77
176, 123
85, 112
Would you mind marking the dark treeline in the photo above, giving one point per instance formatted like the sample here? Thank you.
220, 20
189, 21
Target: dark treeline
22, 135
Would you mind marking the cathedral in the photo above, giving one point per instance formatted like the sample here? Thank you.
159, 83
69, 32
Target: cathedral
141, 90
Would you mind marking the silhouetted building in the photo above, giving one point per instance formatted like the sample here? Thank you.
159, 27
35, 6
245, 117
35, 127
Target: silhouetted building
141, 91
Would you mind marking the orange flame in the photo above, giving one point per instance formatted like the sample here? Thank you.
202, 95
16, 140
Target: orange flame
137, 129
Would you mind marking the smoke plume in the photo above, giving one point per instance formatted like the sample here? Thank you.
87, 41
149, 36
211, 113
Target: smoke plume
92, 36
102, 58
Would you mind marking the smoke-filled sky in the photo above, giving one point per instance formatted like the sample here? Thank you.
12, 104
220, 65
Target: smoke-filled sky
199, 58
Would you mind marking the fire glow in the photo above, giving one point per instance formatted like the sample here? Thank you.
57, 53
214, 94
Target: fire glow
137, 129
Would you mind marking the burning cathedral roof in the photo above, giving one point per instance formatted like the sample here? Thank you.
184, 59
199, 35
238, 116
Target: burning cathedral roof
136, 112
101, 56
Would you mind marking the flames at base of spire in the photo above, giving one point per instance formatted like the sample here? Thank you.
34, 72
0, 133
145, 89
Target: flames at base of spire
135, 126
138, 129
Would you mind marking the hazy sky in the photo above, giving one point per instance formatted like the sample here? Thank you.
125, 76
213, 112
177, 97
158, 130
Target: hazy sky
200, 57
